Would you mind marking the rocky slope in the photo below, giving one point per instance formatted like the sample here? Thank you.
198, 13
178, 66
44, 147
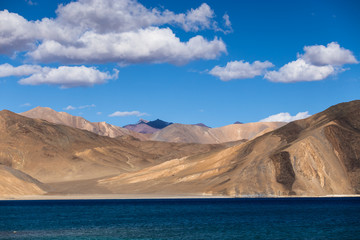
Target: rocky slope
315, 156
100, 128
16, 183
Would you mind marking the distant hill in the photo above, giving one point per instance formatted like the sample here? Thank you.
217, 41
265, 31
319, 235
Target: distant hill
35, 152
147, 127
141, 128
200, 134
100, 128
150, 127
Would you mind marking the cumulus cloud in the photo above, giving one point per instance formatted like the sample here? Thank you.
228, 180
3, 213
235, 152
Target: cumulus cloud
68, 77
124, 31
15, 33
127, 114
285, 117
7, 70
240, 70
318, 63
128, 15
70, 108
300, 70
197, 19
150, 45
64, 76
332, 54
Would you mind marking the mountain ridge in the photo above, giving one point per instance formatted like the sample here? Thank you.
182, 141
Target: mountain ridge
317, 156
100, 128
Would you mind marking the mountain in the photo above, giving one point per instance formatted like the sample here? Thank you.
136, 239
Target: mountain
147, 127
100, 128
35, 152
317, 156
158, 124
200, 134
141, 127
150, 127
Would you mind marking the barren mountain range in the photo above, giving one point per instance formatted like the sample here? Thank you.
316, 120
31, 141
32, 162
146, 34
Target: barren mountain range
316, 156
199, 134
158, 130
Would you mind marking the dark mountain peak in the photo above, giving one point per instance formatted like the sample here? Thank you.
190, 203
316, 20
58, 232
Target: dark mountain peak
237, 122
158, 124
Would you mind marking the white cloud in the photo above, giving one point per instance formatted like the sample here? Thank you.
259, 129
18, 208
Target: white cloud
127, 15
64, 76
31, 3
80, 107
7, 70
68, 77
70, 108
87, 106
285, 117
123, 31
227, 20
332, 54
197, 19
318, 63
298, 71
16, 33
150, 45
240, 70
25, 105
126, 114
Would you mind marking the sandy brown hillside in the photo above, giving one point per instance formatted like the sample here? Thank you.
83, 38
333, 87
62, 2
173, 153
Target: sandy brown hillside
199, 134
100, 128
314, 156
55, 153
14, 182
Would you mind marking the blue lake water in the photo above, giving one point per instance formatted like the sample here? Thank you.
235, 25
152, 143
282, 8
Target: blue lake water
261, 218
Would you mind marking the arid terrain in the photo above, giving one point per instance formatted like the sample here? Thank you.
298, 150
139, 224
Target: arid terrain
67, 155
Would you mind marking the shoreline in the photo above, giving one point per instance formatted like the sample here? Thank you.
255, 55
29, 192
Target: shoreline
152, 196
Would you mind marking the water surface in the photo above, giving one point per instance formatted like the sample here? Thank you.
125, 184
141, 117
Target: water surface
262, 218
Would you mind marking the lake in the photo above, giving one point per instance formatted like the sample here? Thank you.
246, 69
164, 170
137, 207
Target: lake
252, 218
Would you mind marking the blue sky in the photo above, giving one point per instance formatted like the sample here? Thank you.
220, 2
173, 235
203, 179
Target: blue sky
118, 61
